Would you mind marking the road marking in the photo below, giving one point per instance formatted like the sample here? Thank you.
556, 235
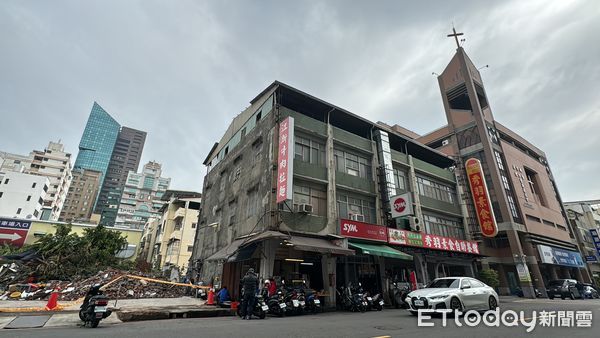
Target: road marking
383, 337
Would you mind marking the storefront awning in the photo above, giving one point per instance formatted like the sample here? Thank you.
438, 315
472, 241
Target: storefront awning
318, 245
381, 250
230, 252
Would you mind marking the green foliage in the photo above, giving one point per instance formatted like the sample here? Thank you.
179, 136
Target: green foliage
64, 254
489, 277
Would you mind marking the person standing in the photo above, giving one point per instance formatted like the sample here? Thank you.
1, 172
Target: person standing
249, 288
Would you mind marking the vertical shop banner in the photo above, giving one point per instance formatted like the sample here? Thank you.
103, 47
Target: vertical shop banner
285, 160
429, 241
596, 239
481, 198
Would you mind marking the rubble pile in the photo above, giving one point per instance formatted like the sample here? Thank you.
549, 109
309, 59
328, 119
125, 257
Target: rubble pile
72, 290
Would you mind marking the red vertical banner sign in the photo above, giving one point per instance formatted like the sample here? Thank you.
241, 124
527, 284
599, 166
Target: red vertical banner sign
285, 160
481, 198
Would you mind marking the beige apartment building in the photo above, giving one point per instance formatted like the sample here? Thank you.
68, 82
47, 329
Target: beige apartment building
167, 243
82, 195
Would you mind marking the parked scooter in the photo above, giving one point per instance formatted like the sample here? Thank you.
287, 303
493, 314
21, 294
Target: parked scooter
350, 299
259, 310
276, 302
399, 295
313, 303
94, 307
377, 302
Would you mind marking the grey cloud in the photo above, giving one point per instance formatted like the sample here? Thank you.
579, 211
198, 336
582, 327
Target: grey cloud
182, 70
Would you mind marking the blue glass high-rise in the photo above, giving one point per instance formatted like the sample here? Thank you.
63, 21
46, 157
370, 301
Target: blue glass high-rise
98, 141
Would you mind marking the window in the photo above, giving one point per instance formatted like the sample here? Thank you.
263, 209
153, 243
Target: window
6, 181
476, 284
1, 193
349, 204
190, 248
465, 283
352, 164
437, 225
243, 132
313, 194
435, 190
535, 186
258, 116
19, 211
28, 198
399, 180
194, 225
513, 207
310, 151
499, 160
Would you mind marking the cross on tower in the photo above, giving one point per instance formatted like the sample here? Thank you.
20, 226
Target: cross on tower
455, 35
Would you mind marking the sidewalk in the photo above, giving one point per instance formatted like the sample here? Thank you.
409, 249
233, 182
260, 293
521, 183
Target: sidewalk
123, 310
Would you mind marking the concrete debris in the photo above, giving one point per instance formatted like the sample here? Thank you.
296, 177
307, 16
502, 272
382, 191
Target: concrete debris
125, 288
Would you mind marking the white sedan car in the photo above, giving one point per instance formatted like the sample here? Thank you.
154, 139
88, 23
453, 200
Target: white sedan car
455, 293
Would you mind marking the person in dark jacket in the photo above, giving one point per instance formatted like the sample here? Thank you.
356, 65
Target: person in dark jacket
249, 288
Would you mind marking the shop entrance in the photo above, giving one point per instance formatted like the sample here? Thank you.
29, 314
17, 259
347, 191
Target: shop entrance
295, 271
358, 269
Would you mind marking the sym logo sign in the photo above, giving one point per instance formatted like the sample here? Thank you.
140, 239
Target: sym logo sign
347, 227
401, 205
363, 230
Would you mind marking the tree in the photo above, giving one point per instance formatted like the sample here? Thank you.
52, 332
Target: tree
489, 277
64, 255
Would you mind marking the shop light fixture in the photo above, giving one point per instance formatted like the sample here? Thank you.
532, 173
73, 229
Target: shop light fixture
294, 260
307, 263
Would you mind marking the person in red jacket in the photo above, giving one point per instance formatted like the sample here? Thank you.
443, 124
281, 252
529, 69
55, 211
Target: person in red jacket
272, 287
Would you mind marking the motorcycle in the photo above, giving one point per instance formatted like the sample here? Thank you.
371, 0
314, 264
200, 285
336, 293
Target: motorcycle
351, 300
94, 307
399, 295
377, 302
276, 303
313, 303
259, 310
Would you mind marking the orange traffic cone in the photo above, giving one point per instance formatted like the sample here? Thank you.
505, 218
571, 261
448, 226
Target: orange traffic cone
53, 301
211, 297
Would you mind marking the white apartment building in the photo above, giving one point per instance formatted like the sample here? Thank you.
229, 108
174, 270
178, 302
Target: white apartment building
14, 162
22, 195
54, 163
141, 198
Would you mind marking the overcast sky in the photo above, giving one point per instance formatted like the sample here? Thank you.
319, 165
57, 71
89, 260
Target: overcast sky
181, 70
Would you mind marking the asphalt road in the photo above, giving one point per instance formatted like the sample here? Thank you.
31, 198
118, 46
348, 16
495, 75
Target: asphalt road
393, 323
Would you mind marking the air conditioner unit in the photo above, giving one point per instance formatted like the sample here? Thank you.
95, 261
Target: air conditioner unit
357, 217
415, 223
445, 142
305, 208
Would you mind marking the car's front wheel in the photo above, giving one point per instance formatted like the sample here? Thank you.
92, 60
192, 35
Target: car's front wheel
493, 303
455, 304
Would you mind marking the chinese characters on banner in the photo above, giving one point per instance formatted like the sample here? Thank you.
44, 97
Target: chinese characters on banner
14, 232
481, 198
285, 160
404, 237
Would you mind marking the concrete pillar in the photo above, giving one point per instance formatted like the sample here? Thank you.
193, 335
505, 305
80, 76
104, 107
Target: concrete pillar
534, 267
328, 268
580, 275
421, 268
518, 256
504, 288
267, 259
472, 270
553, 273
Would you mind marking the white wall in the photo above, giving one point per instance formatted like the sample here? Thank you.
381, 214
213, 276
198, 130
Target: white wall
16, 189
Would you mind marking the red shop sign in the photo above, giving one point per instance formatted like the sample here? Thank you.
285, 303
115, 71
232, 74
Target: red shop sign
363, 230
